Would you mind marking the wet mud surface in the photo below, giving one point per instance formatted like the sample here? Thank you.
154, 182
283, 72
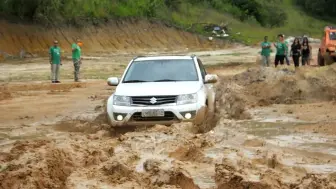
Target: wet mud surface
275, 129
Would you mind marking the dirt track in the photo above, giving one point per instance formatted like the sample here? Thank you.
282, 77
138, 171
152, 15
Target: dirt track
276, 129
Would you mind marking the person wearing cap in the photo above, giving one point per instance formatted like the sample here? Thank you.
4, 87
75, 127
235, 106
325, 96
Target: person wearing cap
76, 57
55, 61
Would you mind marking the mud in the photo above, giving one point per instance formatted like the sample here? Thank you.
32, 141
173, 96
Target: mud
273, 128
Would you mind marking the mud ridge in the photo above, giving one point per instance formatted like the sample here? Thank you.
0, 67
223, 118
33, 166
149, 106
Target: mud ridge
112, 37
262, 87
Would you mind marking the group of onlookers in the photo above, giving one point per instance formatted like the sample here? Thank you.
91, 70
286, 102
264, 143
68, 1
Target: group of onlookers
296, 51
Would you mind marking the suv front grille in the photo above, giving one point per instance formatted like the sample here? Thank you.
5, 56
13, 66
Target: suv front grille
153, 100
168, 116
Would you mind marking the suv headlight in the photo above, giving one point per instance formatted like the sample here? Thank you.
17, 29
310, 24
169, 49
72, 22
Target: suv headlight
121, 100
187, 99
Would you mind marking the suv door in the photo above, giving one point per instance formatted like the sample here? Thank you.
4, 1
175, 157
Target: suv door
209, 89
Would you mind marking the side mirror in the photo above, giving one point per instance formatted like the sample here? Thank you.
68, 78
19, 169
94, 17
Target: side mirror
113, 81
211, 78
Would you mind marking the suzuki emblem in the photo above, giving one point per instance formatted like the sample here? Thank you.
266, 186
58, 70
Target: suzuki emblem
153, 100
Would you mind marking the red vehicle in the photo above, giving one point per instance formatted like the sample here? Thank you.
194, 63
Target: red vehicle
326, 54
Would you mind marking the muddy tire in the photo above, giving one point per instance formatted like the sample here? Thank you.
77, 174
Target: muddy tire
328, 60
320, 59
108, 119
210, 120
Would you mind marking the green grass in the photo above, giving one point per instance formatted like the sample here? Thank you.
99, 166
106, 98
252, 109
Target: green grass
251, 32
185, 13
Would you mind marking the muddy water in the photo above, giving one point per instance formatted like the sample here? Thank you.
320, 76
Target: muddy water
159, 146
95, 155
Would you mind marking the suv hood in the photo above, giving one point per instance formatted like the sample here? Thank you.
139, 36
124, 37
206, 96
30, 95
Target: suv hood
158, 88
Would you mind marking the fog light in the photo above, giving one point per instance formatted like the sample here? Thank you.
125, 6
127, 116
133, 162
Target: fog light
187, 115
120, 117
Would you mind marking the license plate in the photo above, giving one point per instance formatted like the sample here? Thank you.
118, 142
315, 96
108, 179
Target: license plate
152, 113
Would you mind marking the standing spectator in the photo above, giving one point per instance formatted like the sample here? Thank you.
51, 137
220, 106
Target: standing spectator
55, 62
76, 57
266, 51
296, 52
306, 41
305, 50
280, 51
286, 53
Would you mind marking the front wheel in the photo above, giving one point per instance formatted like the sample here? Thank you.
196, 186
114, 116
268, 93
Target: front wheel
328, 59
210, 120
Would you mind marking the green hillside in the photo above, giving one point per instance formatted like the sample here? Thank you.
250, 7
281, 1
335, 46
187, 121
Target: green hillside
252, 19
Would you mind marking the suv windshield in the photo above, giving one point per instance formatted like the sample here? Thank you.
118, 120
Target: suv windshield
332, 35
161, 70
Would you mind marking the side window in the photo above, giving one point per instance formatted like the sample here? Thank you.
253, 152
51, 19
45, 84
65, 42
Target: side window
203, 72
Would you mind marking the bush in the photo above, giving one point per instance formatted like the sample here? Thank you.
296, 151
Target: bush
326, 8
78, 11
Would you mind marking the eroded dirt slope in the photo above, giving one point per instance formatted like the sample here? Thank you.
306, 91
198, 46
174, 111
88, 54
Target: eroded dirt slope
112, 37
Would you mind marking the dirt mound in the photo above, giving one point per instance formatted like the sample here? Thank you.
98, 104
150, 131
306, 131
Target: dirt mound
232, 104
312, 181
262, 87
118, 172
229, 176
115, 36
160, 176
36, 167
189, 153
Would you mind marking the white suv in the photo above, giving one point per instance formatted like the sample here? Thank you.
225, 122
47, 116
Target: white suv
161, 90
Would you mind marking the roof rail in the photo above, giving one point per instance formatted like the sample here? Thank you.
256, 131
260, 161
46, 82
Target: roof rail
139, 56
193, 56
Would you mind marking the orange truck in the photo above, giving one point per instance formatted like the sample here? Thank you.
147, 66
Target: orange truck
327, 51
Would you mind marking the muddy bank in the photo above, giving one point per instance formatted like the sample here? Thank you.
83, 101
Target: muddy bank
263, 87
114, 37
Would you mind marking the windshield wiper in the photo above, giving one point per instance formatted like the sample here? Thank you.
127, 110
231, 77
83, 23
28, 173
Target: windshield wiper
163, 80
134, 81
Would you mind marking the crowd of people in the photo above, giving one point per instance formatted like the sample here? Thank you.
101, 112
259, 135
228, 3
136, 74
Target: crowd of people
296, 51
55, 59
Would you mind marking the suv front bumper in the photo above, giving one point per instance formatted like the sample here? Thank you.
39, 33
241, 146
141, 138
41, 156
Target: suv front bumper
131, 115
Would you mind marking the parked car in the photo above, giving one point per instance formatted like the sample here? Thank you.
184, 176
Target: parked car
162, 90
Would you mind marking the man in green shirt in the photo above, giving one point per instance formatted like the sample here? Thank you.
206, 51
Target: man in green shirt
76, 57
286, 53
55, 62
266, 51
280, 51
